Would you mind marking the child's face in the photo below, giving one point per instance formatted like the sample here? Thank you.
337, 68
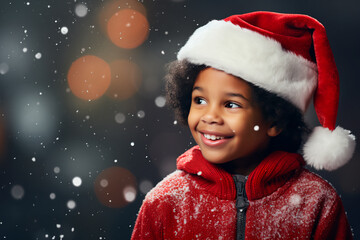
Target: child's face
224, 119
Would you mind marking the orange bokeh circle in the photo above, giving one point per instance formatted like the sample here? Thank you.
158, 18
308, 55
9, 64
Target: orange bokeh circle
128, 28
115, 187
111, 7
89, 77
126, 79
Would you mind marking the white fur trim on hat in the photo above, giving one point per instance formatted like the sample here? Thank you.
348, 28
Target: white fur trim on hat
327, 149
254, 58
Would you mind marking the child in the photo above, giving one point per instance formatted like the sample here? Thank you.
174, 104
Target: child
242, 85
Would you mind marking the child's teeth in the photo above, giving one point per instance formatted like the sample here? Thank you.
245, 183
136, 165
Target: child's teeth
212, 137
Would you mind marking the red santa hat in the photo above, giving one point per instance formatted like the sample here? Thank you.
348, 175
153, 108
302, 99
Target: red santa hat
286, 54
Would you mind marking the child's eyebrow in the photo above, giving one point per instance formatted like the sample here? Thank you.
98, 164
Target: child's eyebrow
229, 94
198, 88
237, 95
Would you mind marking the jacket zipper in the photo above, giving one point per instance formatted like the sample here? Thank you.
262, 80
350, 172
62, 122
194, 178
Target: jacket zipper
241, 205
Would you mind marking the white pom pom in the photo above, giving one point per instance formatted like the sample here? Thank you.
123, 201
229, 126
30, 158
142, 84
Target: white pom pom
329, 150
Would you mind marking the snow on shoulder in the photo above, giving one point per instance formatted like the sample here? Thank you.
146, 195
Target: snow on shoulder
173, 187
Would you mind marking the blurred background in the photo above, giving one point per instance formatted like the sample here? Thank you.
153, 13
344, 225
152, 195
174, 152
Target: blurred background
84, 130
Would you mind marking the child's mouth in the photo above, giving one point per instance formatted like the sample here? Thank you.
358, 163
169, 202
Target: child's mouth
213, 137
212, 140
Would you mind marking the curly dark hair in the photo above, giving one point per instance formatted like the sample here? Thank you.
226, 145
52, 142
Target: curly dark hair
285, 116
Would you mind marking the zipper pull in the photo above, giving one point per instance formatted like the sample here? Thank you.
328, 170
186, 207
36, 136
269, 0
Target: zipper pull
241, 199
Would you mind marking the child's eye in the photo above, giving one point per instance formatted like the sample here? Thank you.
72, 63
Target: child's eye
199, 100
232, 105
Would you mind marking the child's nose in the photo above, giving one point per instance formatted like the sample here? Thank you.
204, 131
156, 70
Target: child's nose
212, 116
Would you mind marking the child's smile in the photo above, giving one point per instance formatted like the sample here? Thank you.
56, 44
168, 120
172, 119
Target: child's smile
213, 139
222, 117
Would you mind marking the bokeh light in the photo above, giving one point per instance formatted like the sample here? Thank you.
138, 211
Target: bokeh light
141, 114
33, 118
120, 118
77, 160
126, 79
89, 77
17, 192
14, 64
4, 68
129, 194
128, 28
38, 55
56, 170
81, 10
71, 204
160, 101
52, 196
77, 181
145, 186
64, 30
112, 7
104, 183
115, 187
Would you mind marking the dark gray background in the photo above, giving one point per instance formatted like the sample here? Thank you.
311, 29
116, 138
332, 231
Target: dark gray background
41, 119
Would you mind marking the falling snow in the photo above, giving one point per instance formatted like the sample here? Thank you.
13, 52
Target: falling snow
64, 30
77, 181
141, 114
54, 144
188, 209
129, 194
52, 196
38, 55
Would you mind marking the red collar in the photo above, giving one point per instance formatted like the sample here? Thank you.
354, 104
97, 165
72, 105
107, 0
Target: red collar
273, 172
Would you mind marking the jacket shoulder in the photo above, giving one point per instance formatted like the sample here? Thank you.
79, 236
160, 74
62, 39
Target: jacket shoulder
323, 201
173, 187
315, 187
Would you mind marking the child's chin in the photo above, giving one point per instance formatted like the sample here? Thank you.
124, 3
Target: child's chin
215, 159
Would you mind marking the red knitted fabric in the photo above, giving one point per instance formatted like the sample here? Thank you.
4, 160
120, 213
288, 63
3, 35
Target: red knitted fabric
272, 173
214, 180
286, 202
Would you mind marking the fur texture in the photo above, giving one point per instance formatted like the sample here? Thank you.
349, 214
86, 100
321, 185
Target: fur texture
329, 150
254, 58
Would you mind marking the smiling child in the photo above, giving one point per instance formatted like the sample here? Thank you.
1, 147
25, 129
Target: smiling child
222, 118
242, 85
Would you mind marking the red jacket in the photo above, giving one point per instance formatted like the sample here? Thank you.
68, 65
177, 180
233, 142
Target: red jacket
198, 202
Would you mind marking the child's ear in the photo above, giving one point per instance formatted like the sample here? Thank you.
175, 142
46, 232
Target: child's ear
273, 131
